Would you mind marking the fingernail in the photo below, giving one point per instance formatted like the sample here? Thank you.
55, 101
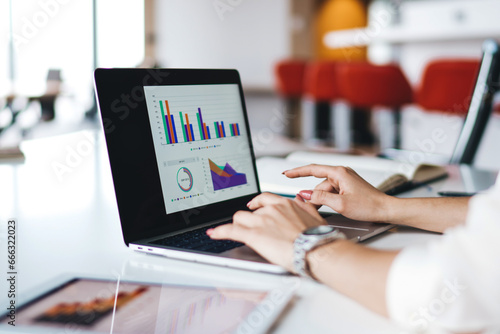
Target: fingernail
210, 231
300, 198
248, 204
306, 194
285, 172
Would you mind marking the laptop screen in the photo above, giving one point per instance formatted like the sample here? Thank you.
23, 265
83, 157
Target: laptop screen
201, 144
179, 147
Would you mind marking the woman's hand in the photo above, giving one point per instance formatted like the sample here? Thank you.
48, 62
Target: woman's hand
345, 192
272, 228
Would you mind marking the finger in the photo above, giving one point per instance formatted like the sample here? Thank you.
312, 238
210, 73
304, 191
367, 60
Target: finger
244, 218
320, 171
265, 199
328, 187
325, 186
320, 197
299, 199
333, 173
229, 231
309, 207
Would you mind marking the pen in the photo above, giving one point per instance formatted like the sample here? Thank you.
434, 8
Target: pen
455, 194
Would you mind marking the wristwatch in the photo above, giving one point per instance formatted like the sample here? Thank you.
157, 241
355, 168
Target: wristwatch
309, 240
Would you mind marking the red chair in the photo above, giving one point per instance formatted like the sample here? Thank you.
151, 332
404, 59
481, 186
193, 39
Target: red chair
323, 117
289, 76
383, 89
447, 85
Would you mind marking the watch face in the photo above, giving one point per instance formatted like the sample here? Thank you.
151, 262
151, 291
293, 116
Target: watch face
319, 230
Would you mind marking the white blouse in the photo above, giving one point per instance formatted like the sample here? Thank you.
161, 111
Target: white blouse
453, 284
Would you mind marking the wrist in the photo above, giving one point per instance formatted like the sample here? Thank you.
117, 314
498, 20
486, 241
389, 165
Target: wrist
325, 257
389, 209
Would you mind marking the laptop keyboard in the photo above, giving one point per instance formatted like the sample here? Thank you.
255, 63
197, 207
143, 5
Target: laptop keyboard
198, 240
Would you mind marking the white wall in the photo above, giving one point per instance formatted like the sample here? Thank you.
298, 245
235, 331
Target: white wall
429, 29
249, 35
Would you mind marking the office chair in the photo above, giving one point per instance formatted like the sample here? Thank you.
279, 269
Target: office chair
48, 99
478, 114
446, 86
318, 103
289, 76
382, 89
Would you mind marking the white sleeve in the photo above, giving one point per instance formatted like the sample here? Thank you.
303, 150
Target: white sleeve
452, 284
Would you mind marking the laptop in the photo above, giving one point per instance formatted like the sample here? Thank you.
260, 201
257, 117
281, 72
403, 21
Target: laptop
181, 158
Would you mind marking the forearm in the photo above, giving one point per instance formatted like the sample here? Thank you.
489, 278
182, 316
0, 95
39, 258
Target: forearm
432, 214
355, 271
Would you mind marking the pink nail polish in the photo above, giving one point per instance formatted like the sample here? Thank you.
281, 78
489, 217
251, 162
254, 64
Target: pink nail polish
210, 231
248, 204
306, 194
300, 198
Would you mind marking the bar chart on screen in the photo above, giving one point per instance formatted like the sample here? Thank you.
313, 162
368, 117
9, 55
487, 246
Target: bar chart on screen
200, 131
181, 117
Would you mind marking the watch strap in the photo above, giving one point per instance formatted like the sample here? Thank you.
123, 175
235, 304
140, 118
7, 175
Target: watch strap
303, 244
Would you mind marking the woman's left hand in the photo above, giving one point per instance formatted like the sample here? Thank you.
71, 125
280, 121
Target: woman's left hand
272, 227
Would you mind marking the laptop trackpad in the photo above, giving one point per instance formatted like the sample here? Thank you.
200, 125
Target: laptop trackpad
243, 253
356, 230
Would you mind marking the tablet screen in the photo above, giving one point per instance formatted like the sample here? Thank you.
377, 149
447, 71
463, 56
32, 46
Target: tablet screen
124, 307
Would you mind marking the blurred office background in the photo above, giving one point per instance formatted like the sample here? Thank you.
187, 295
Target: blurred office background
47, 57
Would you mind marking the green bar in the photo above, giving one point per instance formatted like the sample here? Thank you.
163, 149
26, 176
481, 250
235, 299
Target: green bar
183, 127
164, 122
232, 130
202, 136
216, 130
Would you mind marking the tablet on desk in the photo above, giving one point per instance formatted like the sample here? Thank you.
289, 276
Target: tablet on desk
86, 305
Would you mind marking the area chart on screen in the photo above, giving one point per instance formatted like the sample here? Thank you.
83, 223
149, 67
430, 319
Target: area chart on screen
225, 177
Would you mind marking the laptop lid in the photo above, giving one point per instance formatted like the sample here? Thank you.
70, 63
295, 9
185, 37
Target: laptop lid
179, 147
481, 105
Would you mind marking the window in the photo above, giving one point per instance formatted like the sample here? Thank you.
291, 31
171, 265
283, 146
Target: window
57, 34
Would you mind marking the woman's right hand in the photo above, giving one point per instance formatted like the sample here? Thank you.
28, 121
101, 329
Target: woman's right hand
345, 192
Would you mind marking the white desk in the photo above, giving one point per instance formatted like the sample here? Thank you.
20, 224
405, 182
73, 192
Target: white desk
69, 224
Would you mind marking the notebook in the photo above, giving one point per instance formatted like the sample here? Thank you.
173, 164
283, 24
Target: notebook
181, 158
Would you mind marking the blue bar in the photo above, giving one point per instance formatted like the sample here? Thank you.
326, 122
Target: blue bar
191, 127
173, 127
238, 128
223, 130
201, 123
208, 132
186, 129
168, 128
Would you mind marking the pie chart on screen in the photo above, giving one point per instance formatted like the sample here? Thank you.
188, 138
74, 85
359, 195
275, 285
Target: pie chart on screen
184, 179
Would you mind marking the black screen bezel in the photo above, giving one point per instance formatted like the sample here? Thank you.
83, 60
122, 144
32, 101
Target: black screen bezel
125, 120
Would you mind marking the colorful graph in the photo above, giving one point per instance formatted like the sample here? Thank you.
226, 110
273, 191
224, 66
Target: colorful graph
188, 130
185, 179
225, 177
